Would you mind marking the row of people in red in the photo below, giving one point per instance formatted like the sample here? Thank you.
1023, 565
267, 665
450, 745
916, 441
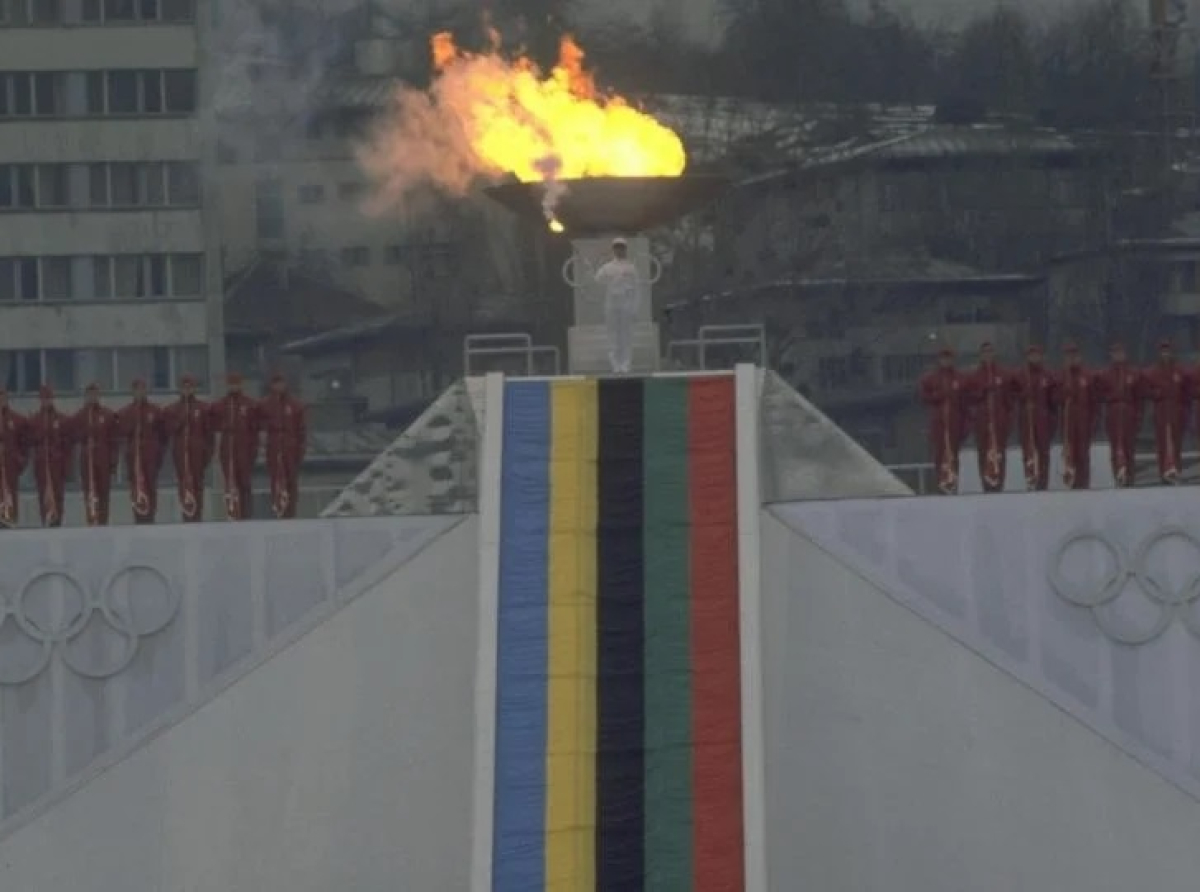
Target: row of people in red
190, 428
987, 402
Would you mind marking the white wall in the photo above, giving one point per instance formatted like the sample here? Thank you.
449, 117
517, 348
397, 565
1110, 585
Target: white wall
112, 324
344, 762
899, 760
91, 47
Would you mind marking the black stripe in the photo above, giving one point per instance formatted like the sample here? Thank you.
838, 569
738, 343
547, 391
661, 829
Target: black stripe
620, 762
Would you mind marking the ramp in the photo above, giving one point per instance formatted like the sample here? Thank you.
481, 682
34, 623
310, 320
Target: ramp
618, 722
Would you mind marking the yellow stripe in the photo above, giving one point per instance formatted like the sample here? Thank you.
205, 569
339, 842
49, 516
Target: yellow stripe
571, 698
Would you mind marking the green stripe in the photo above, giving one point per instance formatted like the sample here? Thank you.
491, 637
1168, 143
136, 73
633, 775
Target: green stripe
668, 806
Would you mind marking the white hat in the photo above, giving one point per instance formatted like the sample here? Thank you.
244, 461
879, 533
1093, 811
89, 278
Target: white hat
620, 243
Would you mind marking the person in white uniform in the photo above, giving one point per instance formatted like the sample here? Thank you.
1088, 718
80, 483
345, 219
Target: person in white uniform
622, 300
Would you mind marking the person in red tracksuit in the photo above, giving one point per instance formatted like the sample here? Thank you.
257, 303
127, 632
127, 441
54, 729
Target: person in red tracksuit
287, 440
1075, 406
1032, 387
144, 434
989, 394
1168, 386
188, 423
1120, 389
50, 445
97, 435
237, 419
943, 391
14, 453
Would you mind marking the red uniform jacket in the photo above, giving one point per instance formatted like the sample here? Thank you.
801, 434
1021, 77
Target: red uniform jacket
990, 397
14, 452
1169, 386
143, 429
237, 418
285, 421
1033, 388
50, 446
943, 391
1075, 402
188, 424
1120, 389
97, 433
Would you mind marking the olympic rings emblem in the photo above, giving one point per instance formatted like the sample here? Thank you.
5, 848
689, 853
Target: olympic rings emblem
1123, 568
83, 604
570, 272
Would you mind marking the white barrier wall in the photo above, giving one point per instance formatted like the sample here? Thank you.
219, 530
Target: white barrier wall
941, 718
327, 739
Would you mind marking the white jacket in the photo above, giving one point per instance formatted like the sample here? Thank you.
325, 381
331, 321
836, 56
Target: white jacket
622, 289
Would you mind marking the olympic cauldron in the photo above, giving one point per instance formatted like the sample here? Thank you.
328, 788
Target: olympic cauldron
592, 212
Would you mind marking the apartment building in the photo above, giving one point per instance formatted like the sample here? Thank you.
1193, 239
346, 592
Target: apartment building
107, 267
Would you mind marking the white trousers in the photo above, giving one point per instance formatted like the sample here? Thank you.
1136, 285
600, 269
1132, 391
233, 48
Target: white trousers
619, 320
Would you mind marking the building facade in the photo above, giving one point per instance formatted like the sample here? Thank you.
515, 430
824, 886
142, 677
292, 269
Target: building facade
107, 267
863, 262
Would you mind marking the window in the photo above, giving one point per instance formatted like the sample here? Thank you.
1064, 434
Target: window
152, 276
31, 94
187, 275
268, 209
56, 278
144, 184
183, 183
356, 256
35, 278
24, 371
96, 367
311, 194
903, 368
191, 361
130, 92
833, 371
60, 370
394, 255
21, 370
118, 12
1189, 276
135, 362
179, 91
121, 93
15, 13
52, 188
177, 10
28, 279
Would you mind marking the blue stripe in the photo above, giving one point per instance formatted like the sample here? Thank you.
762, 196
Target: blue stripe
518, 847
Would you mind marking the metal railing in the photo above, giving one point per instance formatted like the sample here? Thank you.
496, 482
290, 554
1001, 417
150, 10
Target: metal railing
708, 336
516, 344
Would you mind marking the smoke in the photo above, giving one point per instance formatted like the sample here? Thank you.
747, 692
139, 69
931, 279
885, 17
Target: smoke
423, 143
420, 144
553, 189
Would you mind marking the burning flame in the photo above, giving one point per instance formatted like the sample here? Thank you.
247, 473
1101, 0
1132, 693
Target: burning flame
547, 128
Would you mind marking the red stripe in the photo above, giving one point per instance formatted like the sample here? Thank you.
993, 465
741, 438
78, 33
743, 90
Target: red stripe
716, 664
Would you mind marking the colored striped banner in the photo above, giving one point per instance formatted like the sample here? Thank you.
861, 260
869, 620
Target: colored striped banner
618, 727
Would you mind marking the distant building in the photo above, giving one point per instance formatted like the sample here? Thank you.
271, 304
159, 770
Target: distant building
863, 261
1136, 290
108, 267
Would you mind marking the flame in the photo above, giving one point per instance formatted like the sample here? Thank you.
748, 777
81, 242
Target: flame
519, 121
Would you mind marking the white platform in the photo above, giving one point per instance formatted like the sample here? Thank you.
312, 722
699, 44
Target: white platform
587, 349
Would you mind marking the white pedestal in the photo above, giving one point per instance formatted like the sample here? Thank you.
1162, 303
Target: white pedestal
587, 349
587, 341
